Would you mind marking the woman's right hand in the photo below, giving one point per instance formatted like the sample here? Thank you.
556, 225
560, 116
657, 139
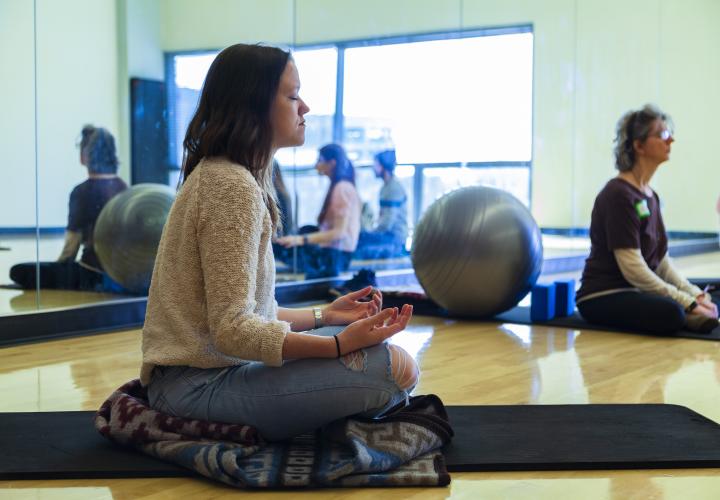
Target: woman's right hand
374, 329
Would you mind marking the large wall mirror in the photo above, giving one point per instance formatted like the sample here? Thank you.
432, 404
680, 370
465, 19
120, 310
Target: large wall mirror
418, 97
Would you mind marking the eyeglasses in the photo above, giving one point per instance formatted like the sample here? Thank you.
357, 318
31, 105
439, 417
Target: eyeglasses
664, 134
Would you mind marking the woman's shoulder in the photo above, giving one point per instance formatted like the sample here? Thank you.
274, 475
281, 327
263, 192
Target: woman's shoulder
347, 192
345, 187
221, 169
617, 188
222, 176
218, 182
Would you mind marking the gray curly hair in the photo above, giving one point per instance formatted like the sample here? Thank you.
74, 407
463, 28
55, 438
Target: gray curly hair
635, 126
99, 147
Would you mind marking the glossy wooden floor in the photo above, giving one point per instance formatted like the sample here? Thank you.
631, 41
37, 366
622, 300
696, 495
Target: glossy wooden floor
463, 362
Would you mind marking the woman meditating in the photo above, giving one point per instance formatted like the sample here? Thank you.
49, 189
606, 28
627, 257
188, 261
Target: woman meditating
216, 346
629, 280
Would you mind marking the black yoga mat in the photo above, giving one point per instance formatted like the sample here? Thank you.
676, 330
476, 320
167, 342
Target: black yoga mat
65, 445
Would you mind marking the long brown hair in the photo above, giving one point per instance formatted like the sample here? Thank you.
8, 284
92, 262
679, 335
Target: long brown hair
344, 171
233, 116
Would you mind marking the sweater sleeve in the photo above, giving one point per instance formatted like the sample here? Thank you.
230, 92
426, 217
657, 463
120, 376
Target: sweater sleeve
667, 271
636, 271
230, 225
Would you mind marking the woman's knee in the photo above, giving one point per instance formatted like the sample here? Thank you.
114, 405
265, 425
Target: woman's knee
405, 370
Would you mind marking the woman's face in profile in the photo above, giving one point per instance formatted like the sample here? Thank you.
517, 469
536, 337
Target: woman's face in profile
657, 145
325, 167
288, 110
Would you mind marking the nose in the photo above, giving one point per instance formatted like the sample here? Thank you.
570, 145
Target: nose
304, 108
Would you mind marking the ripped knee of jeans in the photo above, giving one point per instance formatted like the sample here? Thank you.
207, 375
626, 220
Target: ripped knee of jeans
404, 369
355, 361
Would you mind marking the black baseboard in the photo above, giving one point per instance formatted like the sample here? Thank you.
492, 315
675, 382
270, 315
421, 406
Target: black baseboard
39, 326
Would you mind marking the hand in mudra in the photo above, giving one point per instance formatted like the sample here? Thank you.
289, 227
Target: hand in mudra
375, 329
353, 306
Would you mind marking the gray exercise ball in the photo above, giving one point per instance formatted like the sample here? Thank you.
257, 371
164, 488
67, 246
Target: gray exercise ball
477, 251
127, 233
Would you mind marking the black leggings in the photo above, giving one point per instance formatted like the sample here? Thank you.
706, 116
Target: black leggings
638, 311
57, 275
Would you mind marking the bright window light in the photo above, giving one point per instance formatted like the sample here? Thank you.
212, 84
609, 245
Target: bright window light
457, 100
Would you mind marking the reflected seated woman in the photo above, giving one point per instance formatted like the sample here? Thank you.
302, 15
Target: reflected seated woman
327, 249
98, 154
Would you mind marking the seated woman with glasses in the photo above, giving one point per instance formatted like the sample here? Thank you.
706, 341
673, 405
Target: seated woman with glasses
98, 155
326, 250
629, 281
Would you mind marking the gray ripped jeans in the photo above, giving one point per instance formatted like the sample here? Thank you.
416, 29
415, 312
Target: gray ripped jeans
281, 402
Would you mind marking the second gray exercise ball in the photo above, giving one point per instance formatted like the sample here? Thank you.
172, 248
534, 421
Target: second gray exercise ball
477, 251
127, 233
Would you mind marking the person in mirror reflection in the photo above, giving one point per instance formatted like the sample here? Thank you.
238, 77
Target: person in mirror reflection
215, 344
387, 238
629, 280
99, 156
327, 249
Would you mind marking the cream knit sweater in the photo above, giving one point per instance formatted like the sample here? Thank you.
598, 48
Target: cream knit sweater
211, 301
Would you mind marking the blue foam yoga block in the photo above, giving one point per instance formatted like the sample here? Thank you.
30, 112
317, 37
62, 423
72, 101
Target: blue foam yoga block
564, 298
542, 302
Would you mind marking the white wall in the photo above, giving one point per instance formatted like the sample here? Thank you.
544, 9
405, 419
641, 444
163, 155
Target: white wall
194, 25
77, 83
17, 102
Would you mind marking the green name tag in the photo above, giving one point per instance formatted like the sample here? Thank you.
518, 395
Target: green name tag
641, 207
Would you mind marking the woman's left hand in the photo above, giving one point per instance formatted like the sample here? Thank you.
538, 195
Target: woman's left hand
351, 307
706, 300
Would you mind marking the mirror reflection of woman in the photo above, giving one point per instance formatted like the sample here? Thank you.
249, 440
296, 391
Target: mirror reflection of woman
327, 249
629, 280
99, 156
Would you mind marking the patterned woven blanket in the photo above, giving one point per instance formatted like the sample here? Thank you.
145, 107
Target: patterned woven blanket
400, 449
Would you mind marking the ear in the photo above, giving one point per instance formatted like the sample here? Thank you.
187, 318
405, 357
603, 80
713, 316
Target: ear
638, 146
